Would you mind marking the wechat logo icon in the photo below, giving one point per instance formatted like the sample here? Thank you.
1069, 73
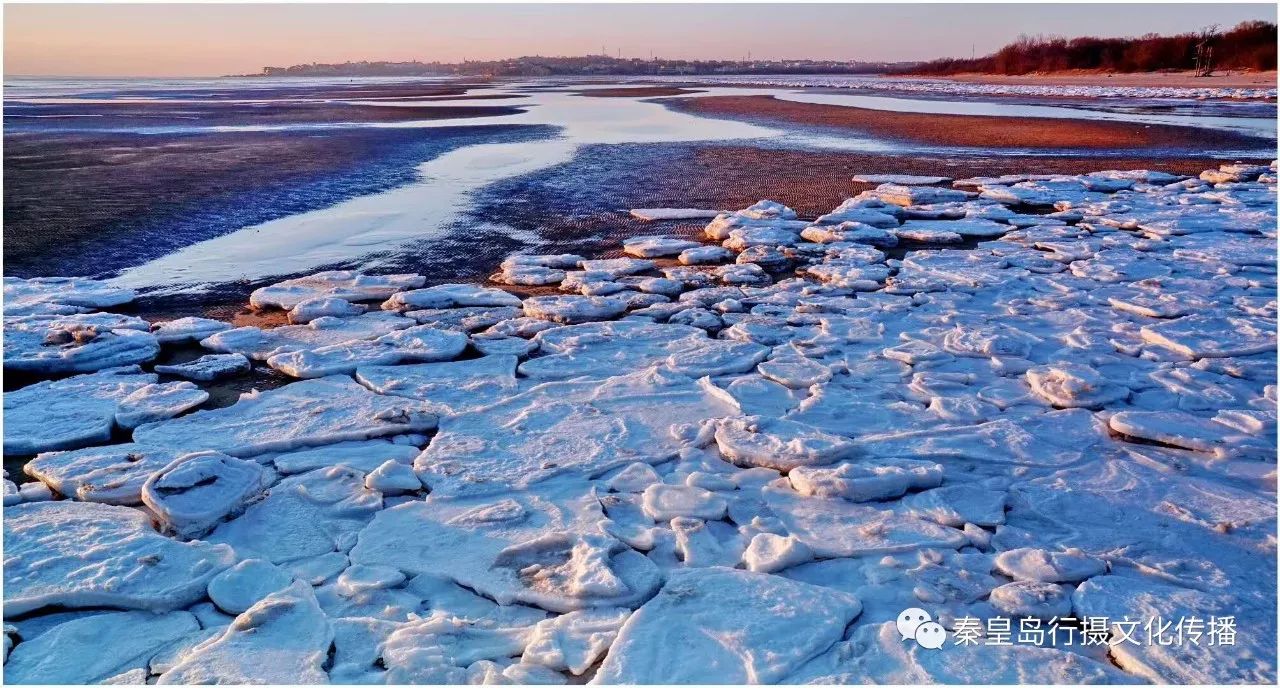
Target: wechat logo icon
916, 624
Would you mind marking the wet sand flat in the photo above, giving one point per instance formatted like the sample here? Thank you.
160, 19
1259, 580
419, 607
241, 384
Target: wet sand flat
112, 115
966, 130
637, 92
113, 199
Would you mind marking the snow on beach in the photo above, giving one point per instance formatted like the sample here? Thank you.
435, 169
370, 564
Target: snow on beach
945, 87
736, 459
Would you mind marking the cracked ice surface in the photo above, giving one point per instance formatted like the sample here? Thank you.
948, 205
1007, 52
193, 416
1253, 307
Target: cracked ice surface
685, 466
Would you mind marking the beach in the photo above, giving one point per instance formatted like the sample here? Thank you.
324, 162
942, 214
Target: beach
1177, 79
968, 131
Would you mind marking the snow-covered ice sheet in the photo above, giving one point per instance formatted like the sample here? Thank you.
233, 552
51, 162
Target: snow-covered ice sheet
304, 414
82, 554
736, 461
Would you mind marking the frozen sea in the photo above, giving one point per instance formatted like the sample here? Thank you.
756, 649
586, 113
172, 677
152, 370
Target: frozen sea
994, 429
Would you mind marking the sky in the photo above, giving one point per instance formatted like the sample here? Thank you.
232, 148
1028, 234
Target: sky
212, 40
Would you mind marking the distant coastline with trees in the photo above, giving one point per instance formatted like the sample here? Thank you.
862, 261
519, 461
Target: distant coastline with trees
587, 65
1249, 45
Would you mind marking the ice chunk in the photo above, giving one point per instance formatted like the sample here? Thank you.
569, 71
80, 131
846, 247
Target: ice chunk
850, 276
22, 296
584, 427
988, 340
307, 515
1052, 439
563, 261
96, 648
665, 502
768, 553
469, 319
878, 654
837, 528
656, 214
1205, 335
260, 345
900, 179
57, 346
187, 329
158, 402
1176, 428
503, 346
792, 368
852, 232
415, 344
208, 367
245, 584
327, 306
720, 625
1032, 599
393, 478
898, 194
543, 547
303, 414
196, 491
866, 482
450, 296
446, 388
574, 641
112, 475
341, 284
916, 352
528, 275
1034, 564
618, 267
363, 456
971, 227
1249, 659
656, 246
928, 235
571, 310
716, 357
780, 444
68, 413
358, 579
48, 546
768, 210
956, 505
284, 638
443, 649
704, 254
1074, 385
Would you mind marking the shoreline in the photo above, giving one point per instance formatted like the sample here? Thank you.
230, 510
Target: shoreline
1176, 79
967, 130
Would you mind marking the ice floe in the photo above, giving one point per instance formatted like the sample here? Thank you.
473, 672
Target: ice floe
714, 463
304, 414
69, 344
193, 493
208, 367
684, 635
338, 284
134, 567
283, 638
69, 413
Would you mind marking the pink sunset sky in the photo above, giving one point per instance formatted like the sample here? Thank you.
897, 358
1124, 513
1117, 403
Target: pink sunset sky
209, 40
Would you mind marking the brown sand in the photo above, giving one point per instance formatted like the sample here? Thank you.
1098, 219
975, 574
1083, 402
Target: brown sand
1181, 79
636, 92
732, 177
966, 130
